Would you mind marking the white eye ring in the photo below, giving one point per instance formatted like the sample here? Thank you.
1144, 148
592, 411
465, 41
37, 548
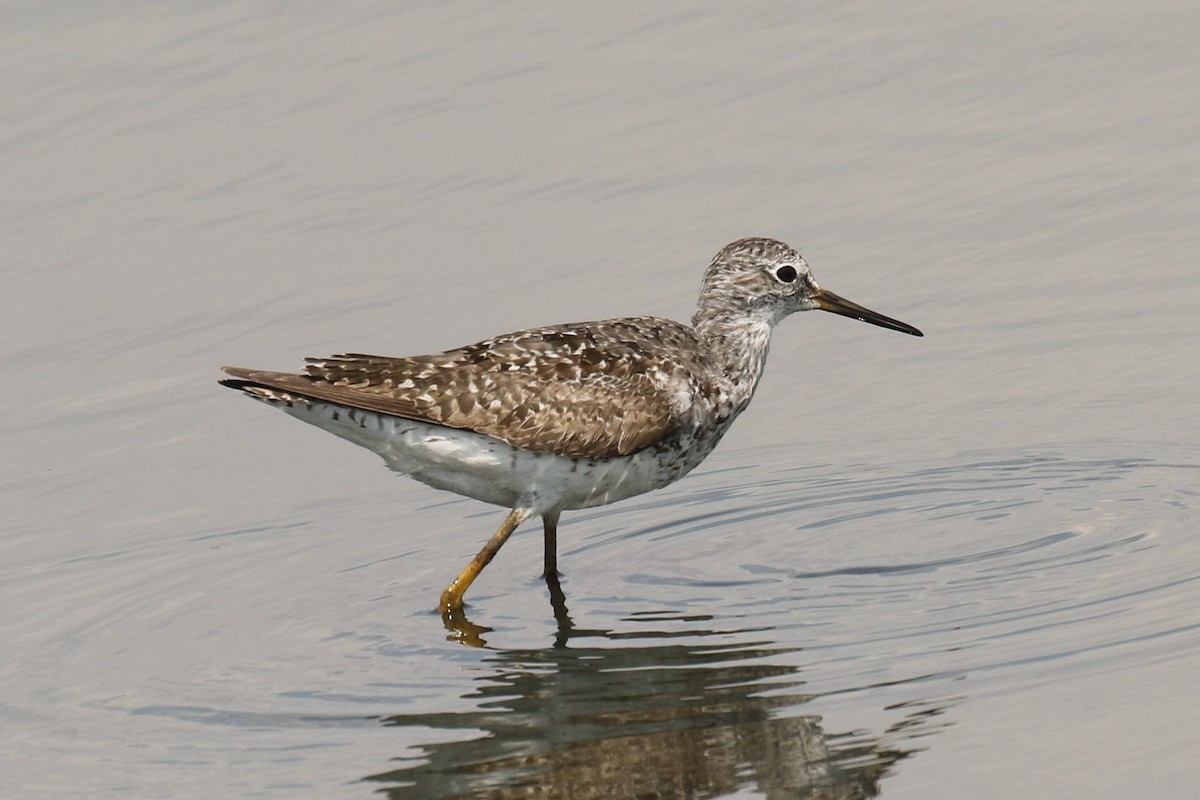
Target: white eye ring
786, 274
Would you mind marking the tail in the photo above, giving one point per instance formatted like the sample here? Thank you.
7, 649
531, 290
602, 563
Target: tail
257, 385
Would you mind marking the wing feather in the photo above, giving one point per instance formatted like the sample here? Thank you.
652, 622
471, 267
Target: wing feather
597, 390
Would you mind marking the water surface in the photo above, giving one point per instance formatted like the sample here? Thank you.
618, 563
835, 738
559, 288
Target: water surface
913, 566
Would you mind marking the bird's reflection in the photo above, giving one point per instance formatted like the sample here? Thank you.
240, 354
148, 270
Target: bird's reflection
670, 709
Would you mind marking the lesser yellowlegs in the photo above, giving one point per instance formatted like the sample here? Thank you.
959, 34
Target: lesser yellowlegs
570, 416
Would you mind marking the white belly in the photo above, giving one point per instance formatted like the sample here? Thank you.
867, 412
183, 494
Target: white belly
492, 471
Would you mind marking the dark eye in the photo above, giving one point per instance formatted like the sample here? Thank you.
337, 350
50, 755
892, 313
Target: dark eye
787, 274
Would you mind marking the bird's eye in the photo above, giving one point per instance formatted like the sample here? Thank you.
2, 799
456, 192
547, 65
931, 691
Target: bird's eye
787, 274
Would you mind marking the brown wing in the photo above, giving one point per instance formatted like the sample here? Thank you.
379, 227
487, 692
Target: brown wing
578, 390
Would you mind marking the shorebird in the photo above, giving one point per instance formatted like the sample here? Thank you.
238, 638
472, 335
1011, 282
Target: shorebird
551, 419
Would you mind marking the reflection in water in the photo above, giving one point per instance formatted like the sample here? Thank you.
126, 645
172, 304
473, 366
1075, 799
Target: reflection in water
463, 630
653, 713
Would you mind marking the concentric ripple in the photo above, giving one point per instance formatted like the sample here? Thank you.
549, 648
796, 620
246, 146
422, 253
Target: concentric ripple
985, 564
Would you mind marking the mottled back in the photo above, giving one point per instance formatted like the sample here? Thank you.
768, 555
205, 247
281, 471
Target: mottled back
592, 390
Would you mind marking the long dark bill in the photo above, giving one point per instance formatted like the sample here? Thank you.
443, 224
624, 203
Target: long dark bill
828, 301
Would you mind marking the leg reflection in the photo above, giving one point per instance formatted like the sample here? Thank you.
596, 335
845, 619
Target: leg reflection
462, 629
558, 602
467, 632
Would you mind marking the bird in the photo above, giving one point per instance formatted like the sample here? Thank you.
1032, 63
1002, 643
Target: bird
564, 417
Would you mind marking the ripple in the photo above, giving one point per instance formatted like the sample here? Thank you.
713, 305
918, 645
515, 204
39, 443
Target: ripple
1005, 560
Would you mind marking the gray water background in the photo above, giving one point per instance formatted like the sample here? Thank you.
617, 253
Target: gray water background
915, 568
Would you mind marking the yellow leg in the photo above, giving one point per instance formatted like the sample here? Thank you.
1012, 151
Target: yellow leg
452, 598
550, 529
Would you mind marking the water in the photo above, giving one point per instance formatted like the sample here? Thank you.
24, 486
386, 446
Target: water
913, 565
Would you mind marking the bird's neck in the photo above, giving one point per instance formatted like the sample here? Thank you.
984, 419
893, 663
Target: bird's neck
737, 347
